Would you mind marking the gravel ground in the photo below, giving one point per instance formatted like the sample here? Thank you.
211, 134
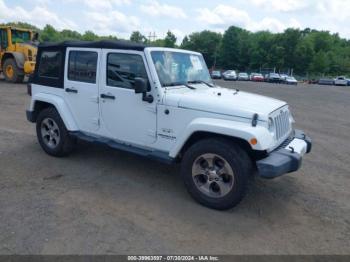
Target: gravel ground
102, 201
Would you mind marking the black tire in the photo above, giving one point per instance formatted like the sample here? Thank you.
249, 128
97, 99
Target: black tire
17, 75
65, 143
234, 155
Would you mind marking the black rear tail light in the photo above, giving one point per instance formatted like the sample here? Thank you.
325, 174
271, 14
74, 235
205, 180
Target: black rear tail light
29, 89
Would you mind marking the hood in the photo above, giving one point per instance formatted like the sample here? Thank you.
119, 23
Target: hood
223, 101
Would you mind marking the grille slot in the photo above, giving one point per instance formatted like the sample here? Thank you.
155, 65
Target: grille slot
282, 124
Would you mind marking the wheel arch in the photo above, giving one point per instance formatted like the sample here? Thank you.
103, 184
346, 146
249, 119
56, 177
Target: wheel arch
202, 135
43, 101
237, 132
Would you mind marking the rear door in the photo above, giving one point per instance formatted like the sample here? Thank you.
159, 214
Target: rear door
81, 86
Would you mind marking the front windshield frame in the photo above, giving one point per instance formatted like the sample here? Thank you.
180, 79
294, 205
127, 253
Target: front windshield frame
179, 67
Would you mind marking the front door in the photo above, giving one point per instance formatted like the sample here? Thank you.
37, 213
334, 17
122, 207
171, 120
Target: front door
124, 115
81, 87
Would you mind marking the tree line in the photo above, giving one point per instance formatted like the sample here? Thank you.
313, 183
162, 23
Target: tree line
307, 52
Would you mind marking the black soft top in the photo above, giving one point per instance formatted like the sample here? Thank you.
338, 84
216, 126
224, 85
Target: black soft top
61, 48
109, 44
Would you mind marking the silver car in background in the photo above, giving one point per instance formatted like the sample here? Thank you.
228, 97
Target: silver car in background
341, 81
243, 76
230, 75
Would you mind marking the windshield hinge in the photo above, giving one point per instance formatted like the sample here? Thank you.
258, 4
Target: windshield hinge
255, 120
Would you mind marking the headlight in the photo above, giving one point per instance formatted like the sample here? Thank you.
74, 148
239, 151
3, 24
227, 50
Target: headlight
271, 124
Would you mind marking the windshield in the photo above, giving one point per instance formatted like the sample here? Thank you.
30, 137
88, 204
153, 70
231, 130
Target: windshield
20, 36
176, 68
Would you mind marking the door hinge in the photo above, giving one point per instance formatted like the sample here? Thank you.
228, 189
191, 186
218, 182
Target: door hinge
94, 99
152, 109
96, 121
152, 133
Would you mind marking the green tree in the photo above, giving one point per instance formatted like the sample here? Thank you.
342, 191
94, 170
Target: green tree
205, 42
50, 34
137, 37
304, 54
170, 40
90, 36
70, 35
320, 63
234, 48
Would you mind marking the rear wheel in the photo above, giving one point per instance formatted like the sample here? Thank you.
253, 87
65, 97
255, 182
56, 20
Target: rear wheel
216, 173
11, 71
52, 134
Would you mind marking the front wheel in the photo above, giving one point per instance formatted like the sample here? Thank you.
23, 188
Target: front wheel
216, 172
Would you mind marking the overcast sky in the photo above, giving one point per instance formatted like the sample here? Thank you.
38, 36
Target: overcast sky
121, 17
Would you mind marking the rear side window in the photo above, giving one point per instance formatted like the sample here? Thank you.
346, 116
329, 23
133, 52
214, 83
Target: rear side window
123, 68
82, 66
50, 64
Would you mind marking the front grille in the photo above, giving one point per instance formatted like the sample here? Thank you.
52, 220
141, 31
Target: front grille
282, 123
286, 142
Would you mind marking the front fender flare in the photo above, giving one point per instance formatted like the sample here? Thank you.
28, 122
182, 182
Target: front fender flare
235, 129
60, 106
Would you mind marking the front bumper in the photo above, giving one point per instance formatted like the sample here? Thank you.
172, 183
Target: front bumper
287, 158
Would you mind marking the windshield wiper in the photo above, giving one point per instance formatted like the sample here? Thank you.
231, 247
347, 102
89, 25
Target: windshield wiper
200, 82
179, 84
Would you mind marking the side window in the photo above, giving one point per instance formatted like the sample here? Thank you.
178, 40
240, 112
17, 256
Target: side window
123, 68
3, 33
50, 64
82, 66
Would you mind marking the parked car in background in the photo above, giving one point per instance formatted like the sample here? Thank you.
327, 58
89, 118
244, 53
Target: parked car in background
283, 77
290, 80
256, 77
273, 78
341, 81
243, 76
266, 77
326, 81
216, 74
348, 82
230, 75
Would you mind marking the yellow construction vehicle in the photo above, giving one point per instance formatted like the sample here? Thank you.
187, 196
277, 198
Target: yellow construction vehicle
18, 48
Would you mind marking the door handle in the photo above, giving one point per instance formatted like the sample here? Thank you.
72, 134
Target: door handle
71, 90
107, 96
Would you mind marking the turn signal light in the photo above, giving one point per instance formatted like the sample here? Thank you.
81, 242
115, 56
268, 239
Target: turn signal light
253, 141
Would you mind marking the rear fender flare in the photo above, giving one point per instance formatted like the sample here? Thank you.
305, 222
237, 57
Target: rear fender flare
60, 106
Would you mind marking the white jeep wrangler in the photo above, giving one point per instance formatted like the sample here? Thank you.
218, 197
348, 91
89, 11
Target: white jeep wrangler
161, 103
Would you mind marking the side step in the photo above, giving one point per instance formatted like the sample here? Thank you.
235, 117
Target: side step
152, 154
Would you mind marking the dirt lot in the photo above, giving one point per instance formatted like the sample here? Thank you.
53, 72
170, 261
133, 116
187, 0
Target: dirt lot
101, 201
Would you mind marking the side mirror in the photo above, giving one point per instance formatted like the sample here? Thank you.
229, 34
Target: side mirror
140, 85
